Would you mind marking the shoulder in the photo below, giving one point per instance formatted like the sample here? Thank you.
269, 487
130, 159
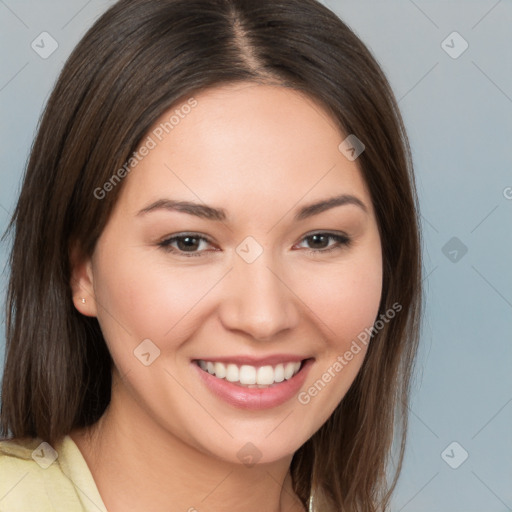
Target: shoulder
33, 476
11, 449
18, 455
22, 481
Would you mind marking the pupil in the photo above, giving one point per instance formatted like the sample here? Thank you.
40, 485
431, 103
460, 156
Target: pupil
321, 238
187, 243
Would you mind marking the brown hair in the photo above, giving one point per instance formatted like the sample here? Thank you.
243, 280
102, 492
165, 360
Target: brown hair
137, 61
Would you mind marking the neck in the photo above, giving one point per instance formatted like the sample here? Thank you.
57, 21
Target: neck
138, 465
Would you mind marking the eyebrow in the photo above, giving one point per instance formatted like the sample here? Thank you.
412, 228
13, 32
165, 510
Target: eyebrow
219, 214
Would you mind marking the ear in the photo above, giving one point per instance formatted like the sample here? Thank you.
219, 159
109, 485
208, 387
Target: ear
81, 281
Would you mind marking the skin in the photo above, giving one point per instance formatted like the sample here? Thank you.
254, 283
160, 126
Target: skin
260, 152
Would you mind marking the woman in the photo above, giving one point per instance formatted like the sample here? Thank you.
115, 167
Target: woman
215, 277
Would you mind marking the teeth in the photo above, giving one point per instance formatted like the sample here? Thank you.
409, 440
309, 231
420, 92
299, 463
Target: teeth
220, 370
251, 376
289, 370
279, 373
265, 375
232, 373
247, 375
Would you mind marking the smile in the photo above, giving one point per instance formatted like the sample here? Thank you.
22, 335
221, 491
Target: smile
251, 376
254, 386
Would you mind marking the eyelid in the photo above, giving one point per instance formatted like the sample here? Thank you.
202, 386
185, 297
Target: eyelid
326, 232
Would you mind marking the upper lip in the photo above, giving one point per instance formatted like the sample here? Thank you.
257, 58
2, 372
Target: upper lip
270, 360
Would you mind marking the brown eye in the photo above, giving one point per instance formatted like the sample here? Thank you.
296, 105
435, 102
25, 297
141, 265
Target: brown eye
186, 244
320, 242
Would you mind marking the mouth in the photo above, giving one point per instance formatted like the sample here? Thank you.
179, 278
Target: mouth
250, 376
265, 384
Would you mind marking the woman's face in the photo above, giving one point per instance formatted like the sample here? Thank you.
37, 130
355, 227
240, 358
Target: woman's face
260, 282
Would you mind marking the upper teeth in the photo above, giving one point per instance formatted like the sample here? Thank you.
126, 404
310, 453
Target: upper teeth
251, 375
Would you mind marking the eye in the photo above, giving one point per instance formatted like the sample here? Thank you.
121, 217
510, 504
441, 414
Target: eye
320, 242
187, 244
190, 244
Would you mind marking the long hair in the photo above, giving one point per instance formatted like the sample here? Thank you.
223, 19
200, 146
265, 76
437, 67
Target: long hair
138, 60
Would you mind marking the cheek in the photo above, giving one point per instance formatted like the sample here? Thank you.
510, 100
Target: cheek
139, 298
345, 296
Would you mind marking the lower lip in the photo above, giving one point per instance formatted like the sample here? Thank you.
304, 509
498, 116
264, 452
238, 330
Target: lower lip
255, 398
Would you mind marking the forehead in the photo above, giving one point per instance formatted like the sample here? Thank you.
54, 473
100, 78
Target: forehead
244, 145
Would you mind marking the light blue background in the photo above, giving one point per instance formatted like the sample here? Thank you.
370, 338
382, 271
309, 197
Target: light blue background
458, 113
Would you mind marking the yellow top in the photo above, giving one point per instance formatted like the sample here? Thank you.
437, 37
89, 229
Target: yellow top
35, 476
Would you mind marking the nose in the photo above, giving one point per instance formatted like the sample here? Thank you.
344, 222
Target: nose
257, 300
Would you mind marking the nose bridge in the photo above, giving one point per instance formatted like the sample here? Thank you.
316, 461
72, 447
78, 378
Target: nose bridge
257, 302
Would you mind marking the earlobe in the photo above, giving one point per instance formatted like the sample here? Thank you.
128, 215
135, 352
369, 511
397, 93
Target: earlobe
81, 282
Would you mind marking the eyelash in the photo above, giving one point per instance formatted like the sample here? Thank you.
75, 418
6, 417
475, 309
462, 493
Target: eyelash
341, 241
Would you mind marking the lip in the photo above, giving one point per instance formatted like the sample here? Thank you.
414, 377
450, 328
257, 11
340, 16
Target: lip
272, 360
255, 398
